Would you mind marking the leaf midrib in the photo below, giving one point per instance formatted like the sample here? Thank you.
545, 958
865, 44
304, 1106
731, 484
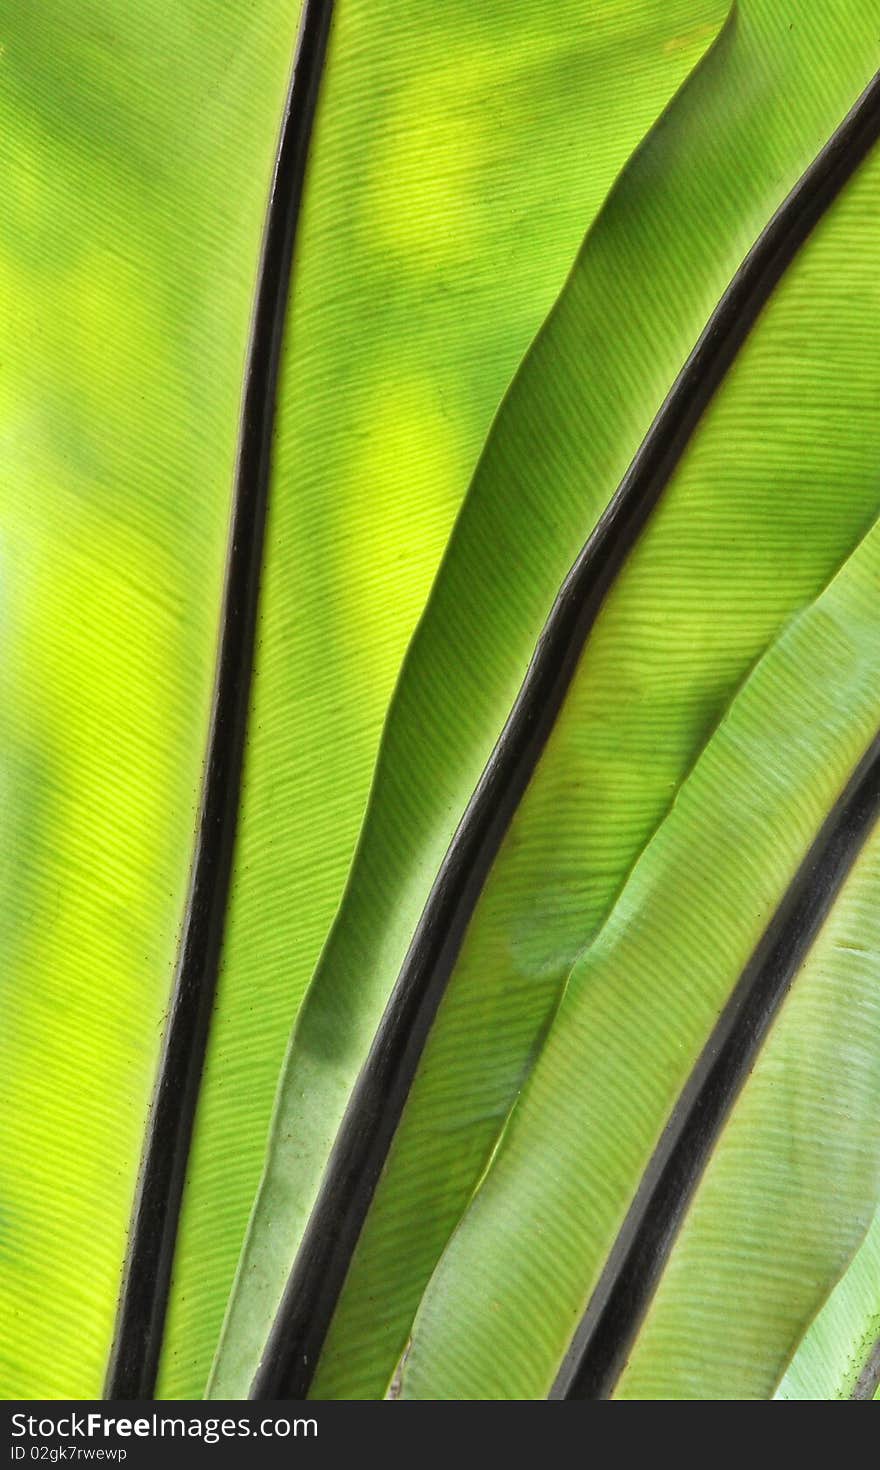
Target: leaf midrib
638, 1256
143, 1300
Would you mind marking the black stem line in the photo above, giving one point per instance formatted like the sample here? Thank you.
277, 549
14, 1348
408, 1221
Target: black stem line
143, 1301
381, 1090
868, 1380
606, 1333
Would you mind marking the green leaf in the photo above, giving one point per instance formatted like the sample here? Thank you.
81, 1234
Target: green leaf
659, 660
583, 1099
138, 146
457, 161
677, 632
786, 1193
438, 227
790, 1186
838, 1357
688, 619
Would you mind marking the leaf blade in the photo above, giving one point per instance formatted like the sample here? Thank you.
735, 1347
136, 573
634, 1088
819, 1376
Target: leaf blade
613, 1002
483, 57
126, 288
836, 1350
392, 1239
